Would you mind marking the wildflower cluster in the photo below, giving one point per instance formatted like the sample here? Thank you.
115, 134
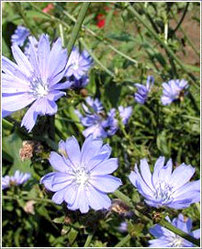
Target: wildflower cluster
17, 179
98, 122
84, 173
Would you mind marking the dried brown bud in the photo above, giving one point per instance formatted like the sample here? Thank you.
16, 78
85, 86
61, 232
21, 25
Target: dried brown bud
28, 149
26, 152
156, 216
29, 207
84, 92
119, 207
67, 220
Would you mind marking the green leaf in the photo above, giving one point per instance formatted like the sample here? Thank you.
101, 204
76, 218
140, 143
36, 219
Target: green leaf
72, 235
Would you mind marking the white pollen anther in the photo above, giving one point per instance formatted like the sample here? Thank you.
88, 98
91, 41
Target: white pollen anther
177, 241
82, 176
163, 192
39, 88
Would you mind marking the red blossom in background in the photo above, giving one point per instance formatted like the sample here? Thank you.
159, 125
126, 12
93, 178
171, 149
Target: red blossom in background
100, 20
48, 8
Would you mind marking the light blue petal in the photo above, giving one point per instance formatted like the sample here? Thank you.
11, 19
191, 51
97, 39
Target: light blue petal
73, 151
103, 155
60, 181
157, 167
107, 183
22, 61
140, 184
11, 84
43, 53
146, 173
106, 167
57, 61
193, 186
47, 180
58, 197
58, 163
81, 201
97, 200
17, 101
184, 224
165, 172
71, 193
181, 175
30, 117
196, 233
12, 69
156, 231
90, 148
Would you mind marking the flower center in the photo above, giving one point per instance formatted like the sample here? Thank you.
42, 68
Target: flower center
39, 88
75, 65
177, 242
82, 176
13, 182
163, 192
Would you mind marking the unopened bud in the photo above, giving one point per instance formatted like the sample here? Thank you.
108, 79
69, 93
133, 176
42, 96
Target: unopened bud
84, 92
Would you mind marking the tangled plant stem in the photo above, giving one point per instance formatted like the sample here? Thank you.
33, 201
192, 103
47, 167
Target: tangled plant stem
162, 43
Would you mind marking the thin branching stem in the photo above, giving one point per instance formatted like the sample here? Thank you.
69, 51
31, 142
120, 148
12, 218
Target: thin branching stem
77, 26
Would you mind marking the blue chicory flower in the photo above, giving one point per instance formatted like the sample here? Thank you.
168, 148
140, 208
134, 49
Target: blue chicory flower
173, 90
80, 83
20, 35
34, 80
111, 123
123, 227
82, 178
166, 238
97, 123
28, 46
78, 63
143, 91
125, 113
164, 187
17, 179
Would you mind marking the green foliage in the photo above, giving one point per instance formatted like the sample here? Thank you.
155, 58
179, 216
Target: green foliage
125, 52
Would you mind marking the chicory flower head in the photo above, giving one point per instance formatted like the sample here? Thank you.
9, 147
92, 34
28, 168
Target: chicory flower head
125, 113
17, 179
82, 178
143, 91
80, 83
164, 187
166, 238
78, 63
173, 90
123, 227
20, 35
99, 124
34, 80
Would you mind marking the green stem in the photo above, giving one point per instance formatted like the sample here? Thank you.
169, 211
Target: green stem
182, 18
124, 198
123, 241
12, 122
169, 226
27, 199
77, 26
106, 42
88, 240
95, 58
24, 17
186, 37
